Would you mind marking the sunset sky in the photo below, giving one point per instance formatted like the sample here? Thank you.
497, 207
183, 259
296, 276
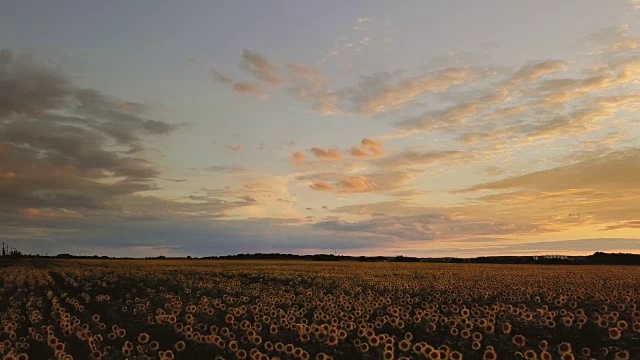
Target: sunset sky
422, 128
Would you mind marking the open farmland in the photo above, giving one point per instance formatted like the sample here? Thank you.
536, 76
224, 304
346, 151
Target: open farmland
117, 309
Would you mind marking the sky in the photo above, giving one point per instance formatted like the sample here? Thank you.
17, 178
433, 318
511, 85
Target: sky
420, 128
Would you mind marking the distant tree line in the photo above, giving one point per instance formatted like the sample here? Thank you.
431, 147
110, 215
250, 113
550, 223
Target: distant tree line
598, 258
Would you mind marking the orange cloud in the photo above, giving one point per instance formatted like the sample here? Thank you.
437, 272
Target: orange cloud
321, 186
358, 152
375, 182
357, 184
329, 154
5, 148
374, 146
297, 158
367, 148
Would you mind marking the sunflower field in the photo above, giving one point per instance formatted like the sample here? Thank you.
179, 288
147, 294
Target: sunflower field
200, 309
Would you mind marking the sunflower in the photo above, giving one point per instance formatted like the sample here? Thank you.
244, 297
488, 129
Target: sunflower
614, 333
544, 345
404, 345
180, 346
622, 355
519, 340
489, 355
143, 338
233, 346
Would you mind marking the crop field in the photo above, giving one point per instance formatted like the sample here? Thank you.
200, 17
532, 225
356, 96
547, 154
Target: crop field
130, 309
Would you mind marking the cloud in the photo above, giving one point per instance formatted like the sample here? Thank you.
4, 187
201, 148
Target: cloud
375, 95
173, 180
240, 86
398, 229
248, 198
219, 77
368, 148
425, 226
258, 66
311, 87
534, 71
419, 159
328, 154
75, 150
231, 169
358, 152
599, 190
30, 88
582, 120
453, 117
624, 225
246, 87
611, 40
31, 212
373, 146
320, 185
619, 170
298, 158
357, 184
363, 183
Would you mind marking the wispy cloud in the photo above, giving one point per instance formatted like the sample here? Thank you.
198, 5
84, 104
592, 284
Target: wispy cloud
240, 86
258, 66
